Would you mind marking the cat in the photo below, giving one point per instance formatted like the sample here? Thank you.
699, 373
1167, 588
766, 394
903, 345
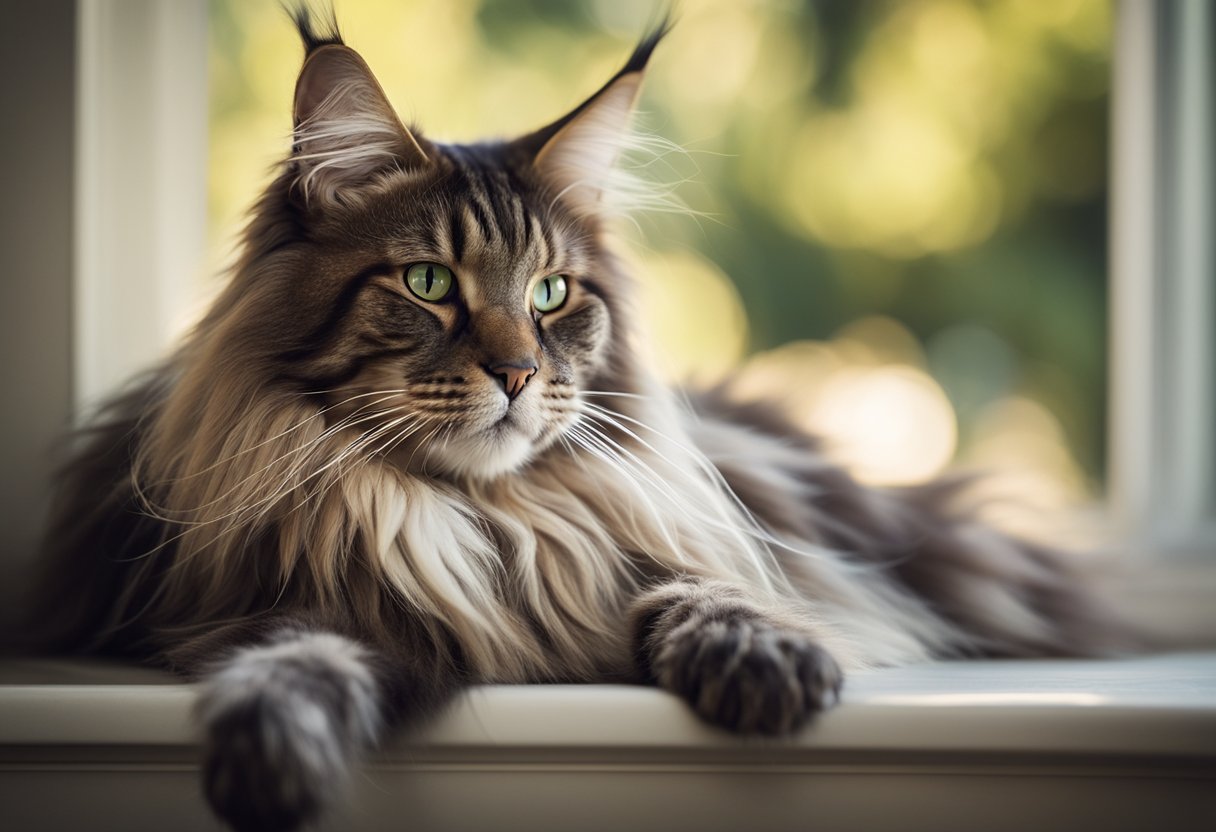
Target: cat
417, 444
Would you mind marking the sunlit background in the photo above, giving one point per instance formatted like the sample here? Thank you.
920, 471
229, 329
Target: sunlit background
902, 205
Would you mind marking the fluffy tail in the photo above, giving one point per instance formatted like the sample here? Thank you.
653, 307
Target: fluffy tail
284, 721
997, 595
1010, 596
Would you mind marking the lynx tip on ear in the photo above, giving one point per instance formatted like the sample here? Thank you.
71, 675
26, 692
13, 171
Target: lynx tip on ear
646, 46
317, 27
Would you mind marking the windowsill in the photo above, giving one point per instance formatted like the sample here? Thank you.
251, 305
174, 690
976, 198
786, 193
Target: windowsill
1135, 731
980, 706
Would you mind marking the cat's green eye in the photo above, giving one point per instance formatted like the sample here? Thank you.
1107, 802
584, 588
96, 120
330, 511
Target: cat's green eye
430, 281
550, 293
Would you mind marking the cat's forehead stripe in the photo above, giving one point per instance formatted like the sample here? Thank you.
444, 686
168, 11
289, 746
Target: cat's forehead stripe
488, 209
503, 216
542, 239
456, 234
481, 218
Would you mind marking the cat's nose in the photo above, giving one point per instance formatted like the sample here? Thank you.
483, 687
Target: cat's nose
513, 375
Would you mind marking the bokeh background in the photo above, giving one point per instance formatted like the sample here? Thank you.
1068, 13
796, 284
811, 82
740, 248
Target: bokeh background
897, 218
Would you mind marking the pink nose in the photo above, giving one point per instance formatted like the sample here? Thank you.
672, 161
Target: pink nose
512, 377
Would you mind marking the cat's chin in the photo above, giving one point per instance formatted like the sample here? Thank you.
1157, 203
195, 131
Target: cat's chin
481, 456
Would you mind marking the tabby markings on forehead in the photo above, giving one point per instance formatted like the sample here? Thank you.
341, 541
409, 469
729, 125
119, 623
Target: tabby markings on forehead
456, 235
475, 204
496, 205
482, 184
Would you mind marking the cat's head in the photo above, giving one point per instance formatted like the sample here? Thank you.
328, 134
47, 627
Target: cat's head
453, 299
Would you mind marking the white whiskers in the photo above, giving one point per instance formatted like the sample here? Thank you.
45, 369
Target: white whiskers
741, 519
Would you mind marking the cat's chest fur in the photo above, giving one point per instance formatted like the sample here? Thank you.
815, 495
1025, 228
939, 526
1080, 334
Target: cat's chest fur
529, 576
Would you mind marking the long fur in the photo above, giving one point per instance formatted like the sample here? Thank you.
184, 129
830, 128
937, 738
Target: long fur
300, 505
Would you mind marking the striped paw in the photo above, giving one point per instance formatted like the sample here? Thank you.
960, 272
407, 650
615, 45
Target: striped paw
747, 675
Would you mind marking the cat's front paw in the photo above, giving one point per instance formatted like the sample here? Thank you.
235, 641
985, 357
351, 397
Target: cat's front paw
748, 676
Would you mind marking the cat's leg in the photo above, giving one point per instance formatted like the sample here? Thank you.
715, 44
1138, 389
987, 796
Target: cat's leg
285, 717
740, 667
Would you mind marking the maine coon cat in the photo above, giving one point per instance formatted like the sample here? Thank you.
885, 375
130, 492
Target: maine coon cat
417, 444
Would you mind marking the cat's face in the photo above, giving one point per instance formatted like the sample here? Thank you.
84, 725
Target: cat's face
468, 314
447, 303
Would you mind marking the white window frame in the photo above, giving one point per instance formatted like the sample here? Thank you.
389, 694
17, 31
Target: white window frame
141, 179
1162, 353
141, 237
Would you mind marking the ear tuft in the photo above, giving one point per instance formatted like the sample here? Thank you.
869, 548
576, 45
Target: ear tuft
580, 158
315, 36
577, 154
346, 132
642, 52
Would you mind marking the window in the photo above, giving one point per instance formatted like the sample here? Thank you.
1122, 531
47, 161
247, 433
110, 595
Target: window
1164, 274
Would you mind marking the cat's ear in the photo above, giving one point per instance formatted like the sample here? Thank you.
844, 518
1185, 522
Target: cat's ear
345, 130
577, 154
